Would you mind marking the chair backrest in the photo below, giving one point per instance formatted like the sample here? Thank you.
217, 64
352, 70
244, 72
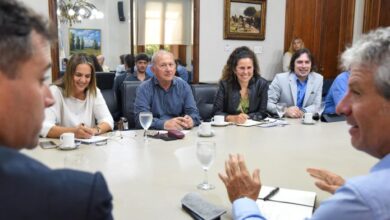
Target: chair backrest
204, 95
129, 89
105, 82
326, 86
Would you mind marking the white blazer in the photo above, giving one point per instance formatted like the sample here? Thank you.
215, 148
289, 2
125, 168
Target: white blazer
284, 89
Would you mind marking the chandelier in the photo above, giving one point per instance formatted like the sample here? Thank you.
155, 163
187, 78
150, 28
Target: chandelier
74, 11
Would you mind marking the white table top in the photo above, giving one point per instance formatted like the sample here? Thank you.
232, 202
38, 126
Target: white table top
148, 181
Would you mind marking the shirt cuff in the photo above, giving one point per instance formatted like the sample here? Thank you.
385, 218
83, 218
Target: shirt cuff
245, 208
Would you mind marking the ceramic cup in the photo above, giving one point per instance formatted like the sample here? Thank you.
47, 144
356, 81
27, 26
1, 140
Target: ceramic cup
205, 128
219, 119
308, 118
67, 140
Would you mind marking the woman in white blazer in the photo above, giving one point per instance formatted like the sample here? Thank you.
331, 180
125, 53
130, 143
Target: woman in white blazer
300, 89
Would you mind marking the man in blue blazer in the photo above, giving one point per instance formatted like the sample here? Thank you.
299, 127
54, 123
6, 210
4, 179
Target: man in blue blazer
29, 189
300, 89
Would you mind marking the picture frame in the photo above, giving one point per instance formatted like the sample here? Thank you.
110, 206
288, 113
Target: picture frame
245, 19
85, 41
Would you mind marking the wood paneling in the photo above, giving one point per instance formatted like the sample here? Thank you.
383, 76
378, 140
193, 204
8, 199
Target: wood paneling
376, 14
326, 27
55, 62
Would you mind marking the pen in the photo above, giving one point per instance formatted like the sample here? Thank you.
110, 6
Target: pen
271, 194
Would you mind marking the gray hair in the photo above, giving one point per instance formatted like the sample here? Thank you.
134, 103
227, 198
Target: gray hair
372, 51
158, 54
17, 23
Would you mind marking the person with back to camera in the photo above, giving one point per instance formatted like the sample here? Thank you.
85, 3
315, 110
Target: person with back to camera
295, 45
29, 189
300, 89
79, 103
367, 109
242, 92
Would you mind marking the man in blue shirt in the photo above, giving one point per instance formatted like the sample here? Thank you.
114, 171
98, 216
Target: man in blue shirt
169, 98
336, 92
367, 109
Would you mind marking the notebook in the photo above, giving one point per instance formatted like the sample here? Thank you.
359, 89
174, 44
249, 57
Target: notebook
286, 204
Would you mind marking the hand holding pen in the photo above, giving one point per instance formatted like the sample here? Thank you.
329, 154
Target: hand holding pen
83, 131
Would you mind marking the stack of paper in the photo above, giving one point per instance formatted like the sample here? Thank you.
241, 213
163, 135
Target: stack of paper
286, 204
93, 139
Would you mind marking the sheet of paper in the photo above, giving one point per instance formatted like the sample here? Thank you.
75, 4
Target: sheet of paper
93, 139
249, 123
286, 204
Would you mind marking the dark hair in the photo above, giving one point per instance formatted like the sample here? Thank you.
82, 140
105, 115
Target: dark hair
129, 62
17, 22
297, 54
142, 56
96, 64
231, 64
122, 58
66, 82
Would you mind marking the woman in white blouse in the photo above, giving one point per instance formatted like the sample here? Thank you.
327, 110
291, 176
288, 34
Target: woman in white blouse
79, 105
295, 45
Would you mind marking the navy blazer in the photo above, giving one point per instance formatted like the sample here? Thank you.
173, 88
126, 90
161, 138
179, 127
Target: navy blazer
228, 98
30, 190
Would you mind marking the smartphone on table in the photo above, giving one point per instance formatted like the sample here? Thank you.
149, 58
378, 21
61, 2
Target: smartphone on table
47, 144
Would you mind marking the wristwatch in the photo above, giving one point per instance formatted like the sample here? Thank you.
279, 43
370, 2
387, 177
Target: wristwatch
98, 129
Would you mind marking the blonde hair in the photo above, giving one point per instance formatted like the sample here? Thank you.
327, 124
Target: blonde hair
66, 82
291, 48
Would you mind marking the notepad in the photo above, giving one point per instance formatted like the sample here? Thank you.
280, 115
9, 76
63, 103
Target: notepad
249, 123
288, 204
93, 139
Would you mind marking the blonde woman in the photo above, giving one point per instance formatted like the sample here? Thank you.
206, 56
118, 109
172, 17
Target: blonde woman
295, 45
79, 105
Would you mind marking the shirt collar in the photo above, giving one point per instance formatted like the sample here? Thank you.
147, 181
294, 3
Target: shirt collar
384, 163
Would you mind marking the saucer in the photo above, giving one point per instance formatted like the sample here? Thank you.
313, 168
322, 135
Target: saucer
308, 123
206, 135
75, 146
225, 123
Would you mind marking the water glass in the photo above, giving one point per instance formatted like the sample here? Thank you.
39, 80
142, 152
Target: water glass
145, 119
205, 152
281, 109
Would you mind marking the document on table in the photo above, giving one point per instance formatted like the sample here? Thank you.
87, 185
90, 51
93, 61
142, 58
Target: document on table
286, 204
250, 122
93, 139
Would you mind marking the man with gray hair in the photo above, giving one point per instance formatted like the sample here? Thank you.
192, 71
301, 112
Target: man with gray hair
367, 109
29, 189
168, 97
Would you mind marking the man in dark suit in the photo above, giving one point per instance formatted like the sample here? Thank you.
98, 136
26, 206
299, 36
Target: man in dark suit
29, 189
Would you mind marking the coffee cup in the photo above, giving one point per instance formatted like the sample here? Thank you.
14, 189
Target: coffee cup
218, 119
205, 128
308, 118
67, 140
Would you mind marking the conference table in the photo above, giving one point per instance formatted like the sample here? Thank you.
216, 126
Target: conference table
148, 180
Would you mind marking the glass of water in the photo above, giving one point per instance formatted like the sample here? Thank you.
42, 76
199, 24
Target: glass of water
281, 109
205, 152
145, 119
320, 109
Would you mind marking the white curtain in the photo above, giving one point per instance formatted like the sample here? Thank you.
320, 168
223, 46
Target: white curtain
164, 22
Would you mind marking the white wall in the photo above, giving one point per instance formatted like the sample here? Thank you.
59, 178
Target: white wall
214, 50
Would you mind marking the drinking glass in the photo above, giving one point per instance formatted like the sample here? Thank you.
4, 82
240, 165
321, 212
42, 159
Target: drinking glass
145, 119
205, 152
320, 109
281, 109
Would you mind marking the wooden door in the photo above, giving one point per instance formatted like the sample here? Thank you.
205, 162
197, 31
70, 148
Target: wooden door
376, 14
326, 27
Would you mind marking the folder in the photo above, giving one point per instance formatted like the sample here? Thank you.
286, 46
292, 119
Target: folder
288, 204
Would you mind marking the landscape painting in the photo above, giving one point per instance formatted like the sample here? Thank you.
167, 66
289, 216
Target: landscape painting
245, 19
85, 41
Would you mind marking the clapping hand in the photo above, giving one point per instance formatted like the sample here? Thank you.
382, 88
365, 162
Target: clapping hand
238, 181
326, 180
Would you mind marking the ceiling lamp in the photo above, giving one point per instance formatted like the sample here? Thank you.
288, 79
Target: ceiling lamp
74, 11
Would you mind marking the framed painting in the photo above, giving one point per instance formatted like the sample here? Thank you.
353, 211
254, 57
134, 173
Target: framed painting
245, 19
85, 41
